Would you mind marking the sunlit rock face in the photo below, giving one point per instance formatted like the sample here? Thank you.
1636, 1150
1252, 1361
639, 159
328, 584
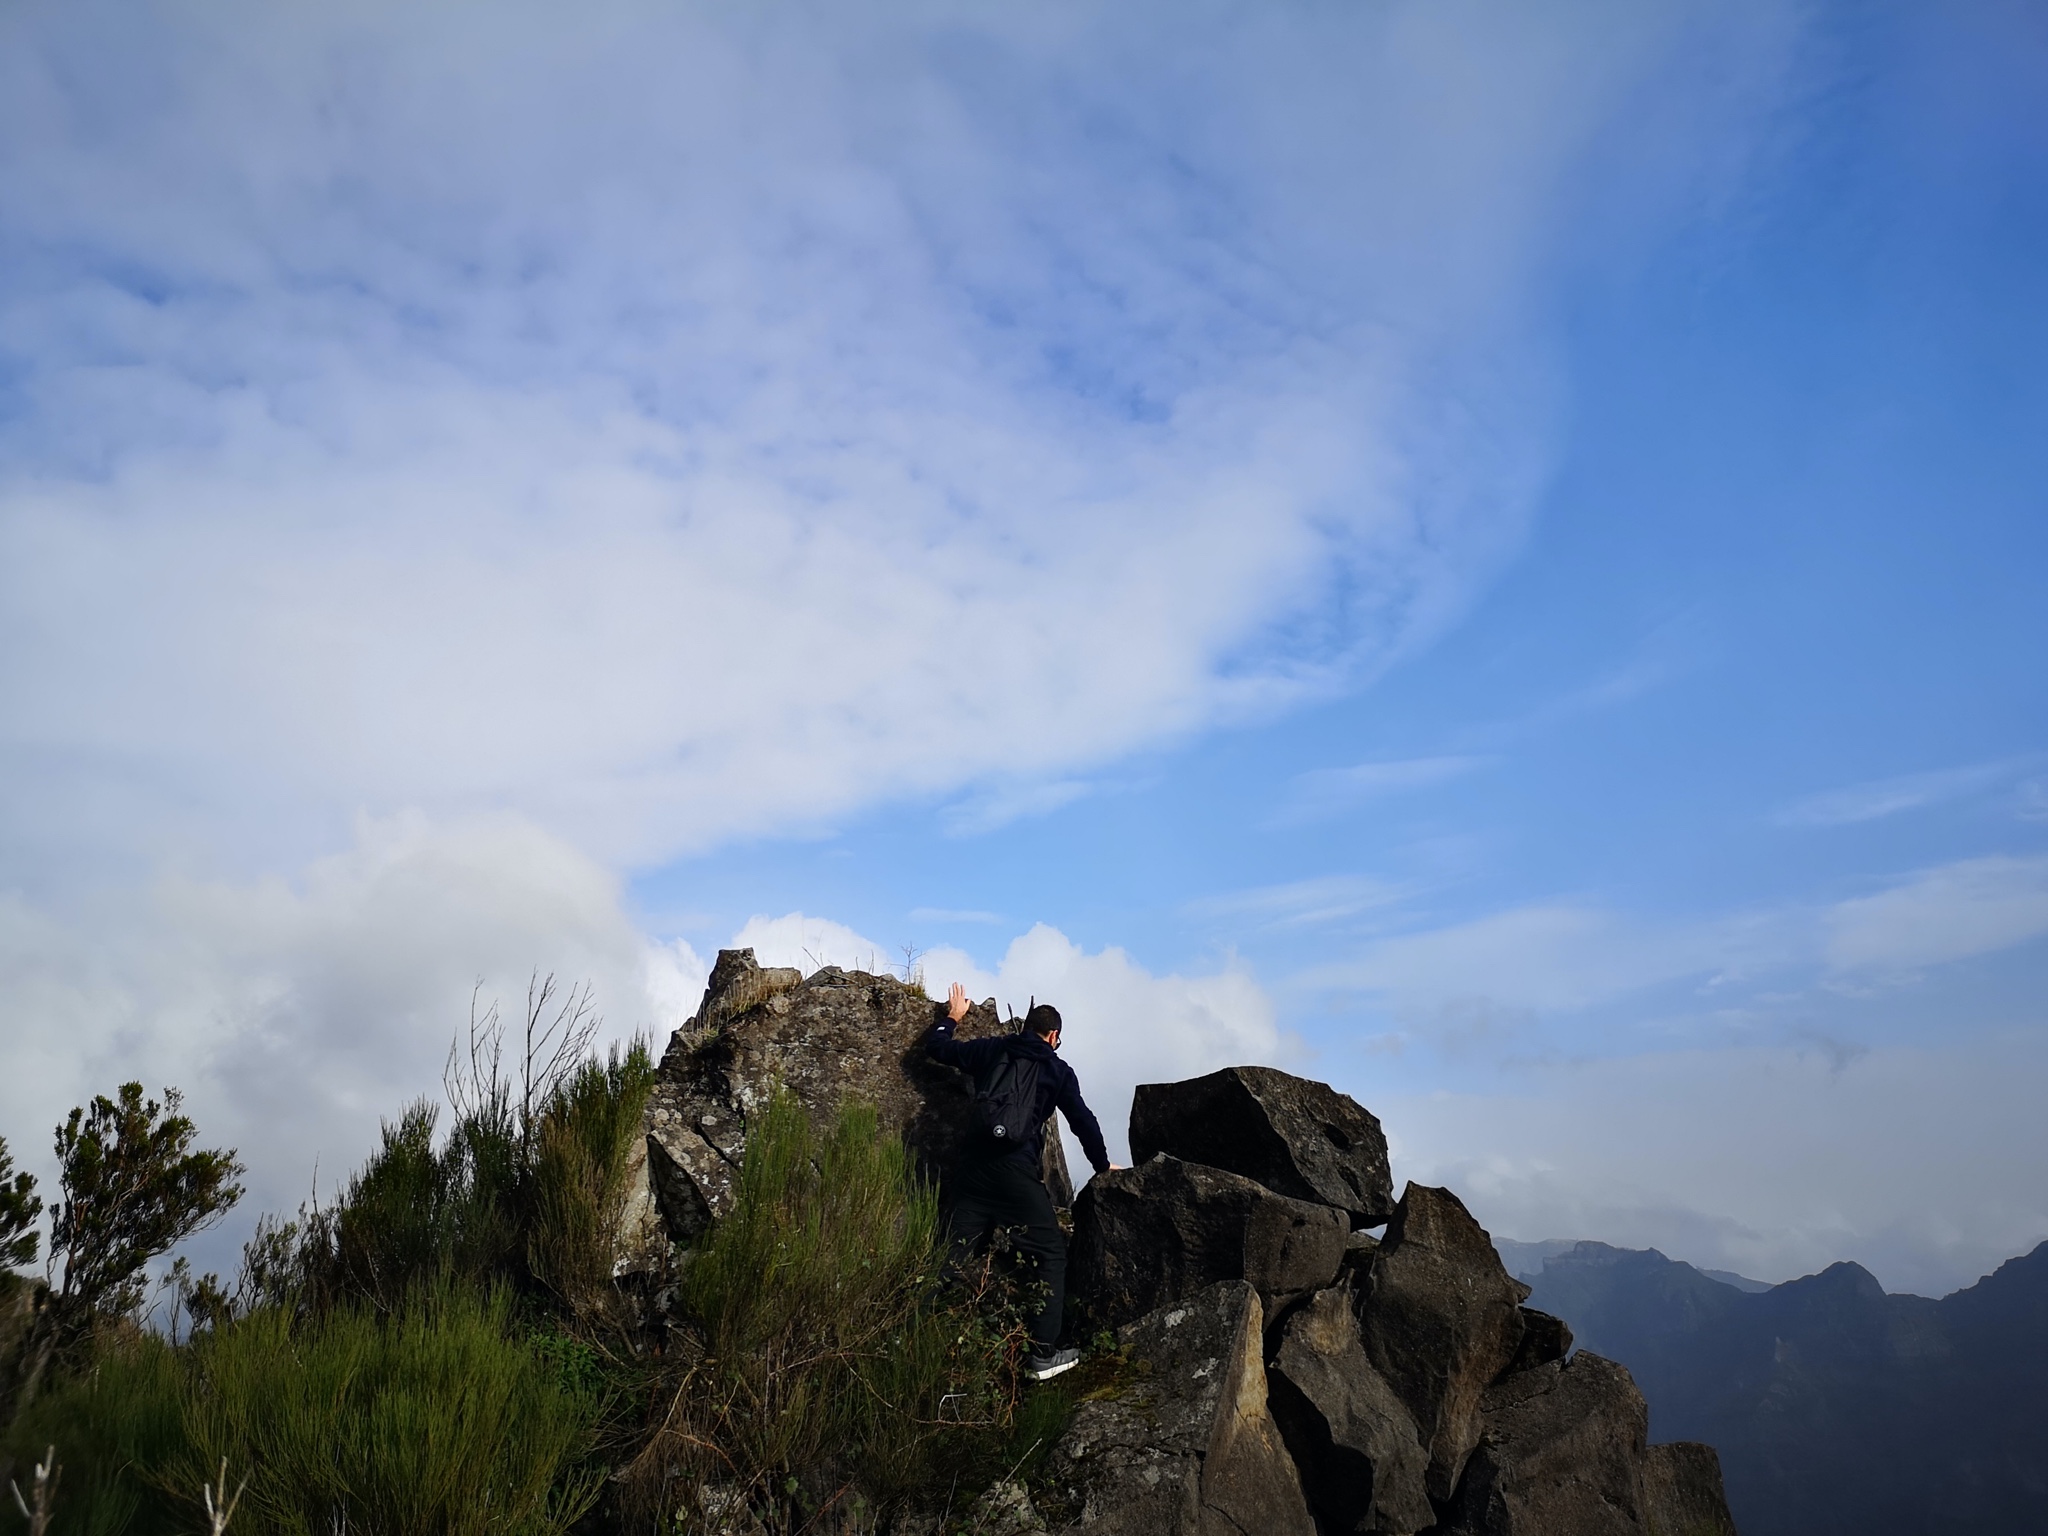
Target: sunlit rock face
830, 1037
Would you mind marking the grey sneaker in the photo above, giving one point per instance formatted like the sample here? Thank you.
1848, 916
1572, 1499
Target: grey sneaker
1045, 1367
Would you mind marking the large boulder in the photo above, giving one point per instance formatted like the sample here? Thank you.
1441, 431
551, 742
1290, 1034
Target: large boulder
1682, 1485
832, 1037
1178, 1440
1562, 1453
1150, 1235
1298, 1138
1440, 1318
1352, 1438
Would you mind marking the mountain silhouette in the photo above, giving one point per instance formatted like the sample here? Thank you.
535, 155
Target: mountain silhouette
1838, 1410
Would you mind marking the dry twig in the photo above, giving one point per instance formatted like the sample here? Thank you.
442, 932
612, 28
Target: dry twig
220, 1509
37, 1510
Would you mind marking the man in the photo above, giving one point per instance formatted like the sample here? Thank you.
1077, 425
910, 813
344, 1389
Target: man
998, 1183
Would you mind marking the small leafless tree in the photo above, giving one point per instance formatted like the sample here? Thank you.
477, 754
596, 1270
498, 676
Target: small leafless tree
555, 1037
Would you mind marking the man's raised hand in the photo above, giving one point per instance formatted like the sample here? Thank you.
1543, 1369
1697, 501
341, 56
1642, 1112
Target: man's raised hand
956, 1003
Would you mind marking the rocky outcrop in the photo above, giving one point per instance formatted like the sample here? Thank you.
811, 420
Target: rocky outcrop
1353, 1439
1299, 1138
1277, 1370
1562, 1450
1148, 1236
831, 1037
1683, 1493
1440, 1319
1179, 1441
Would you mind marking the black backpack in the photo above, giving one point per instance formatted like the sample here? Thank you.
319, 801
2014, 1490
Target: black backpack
1006, 1102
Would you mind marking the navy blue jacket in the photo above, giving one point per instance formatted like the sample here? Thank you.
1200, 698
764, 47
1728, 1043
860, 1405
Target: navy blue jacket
1058, 1088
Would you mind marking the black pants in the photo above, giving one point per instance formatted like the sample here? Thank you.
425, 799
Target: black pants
1002, 1192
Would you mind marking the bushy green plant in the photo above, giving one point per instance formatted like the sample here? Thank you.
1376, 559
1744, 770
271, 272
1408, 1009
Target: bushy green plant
434, 1420
416, 1212
526, 1188
132, 1187
578, 1177
20, 1205
830, 1364
109, 1423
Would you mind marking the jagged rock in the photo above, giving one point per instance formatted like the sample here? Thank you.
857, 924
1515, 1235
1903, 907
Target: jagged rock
835, 1036
1005, 1510
1352, 1439
1440, 1319
1561, 1454
1299, 1138
1544, 1339
1682, 1485
1150, 1235
1179, 1442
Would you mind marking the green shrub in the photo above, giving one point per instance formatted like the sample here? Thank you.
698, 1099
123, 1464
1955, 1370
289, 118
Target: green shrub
430, 1421
578, 1178
109, 1424
514, 1195
828, 1364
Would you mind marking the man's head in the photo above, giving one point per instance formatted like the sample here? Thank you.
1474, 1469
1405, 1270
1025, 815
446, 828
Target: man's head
1044, 1021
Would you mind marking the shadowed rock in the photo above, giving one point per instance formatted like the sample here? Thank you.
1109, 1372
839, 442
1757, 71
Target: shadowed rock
1352, 1439
1179, 1441
1562, 1454
1544, 1339
1440, 1318
833, 1037
1299, 1138
1682, 1484
1147, 1236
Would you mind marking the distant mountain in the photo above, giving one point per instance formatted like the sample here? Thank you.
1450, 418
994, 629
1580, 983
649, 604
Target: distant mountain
1525, 1261
1838, 1410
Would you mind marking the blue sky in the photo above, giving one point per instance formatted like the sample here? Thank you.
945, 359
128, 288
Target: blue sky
1493, 558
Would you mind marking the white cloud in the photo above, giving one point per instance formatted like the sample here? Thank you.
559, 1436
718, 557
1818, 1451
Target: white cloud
1123, 1024
673, 422
1921, 1164
1304, 903
1553, 957
1889, 797
1967, 908
811, 943
296, 1015
1508, 967
1329, 791
579, 437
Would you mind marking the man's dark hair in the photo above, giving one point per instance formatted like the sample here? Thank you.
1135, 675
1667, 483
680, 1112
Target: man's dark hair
1043, 1019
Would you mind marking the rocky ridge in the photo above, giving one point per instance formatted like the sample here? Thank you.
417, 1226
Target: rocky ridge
1275, 1369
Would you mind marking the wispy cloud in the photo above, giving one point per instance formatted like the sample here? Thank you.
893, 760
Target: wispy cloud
1879, 798
1931, 1176
710, 420
1561, 958
1303, 903
1326, 792
1972, 907
996, 806
949, 915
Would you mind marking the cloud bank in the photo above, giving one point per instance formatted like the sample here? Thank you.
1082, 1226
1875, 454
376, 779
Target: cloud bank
673, 423
1920, 1164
